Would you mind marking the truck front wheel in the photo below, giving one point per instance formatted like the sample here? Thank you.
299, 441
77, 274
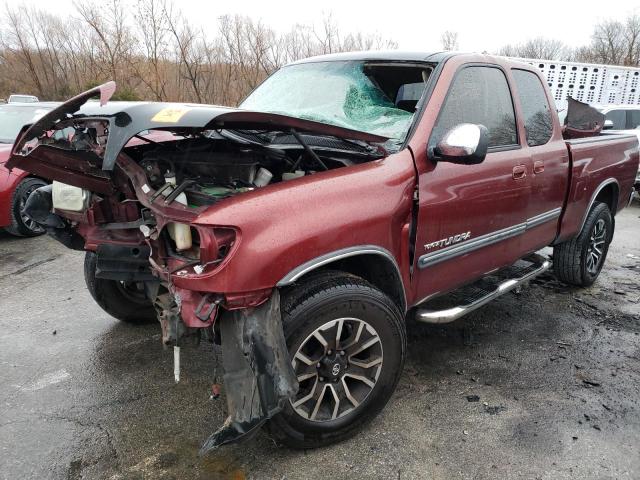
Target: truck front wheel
125, 301
347, 344
578, 261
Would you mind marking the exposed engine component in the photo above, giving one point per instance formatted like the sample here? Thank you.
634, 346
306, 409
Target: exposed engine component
263, 177
206, 169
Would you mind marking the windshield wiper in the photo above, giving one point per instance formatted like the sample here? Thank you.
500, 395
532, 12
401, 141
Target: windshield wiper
308, 149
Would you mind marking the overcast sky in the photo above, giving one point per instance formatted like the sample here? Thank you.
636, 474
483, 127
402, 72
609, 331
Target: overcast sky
481, 24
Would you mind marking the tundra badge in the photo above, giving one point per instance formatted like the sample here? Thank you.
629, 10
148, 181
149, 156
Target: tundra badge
448, 241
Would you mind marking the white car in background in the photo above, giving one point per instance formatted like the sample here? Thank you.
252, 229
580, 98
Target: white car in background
19, 98
621, 118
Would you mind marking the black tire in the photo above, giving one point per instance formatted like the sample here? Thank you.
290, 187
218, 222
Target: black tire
120, 300
322, 299
572, 259
22, 226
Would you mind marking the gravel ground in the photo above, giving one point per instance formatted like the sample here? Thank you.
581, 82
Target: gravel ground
542, 383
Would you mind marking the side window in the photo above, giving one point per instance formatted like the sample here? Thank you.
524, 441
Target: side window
618, 117
535, 108
633, 119
480, 95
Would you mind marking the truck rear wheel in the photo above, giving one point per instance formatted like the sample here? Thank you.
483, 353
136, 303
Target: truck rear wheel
578, 261
347, 344
125, 301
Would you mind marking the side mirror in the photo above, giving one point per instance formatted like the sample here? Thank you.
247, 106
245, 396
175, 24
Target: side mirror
608, 125
464, 144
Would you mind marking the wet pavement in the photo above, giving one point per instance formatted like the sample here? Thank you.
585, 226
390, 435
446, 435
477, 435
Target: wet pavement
543, 383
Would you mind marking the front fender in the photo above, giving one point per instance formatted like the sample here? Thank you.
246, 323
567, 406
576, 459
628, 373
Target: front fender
288, 224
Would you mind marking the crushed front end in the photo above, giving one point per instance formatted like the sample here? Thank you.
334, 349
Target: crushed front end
139, 185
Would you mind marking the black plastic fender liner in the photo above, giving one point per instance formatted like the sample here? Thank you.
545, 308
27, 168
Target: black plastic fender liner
124, 263
258, 376
39, 207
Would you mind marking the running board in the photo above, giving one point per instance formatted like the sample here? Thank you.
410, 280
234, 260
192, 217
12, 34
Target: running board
454, 305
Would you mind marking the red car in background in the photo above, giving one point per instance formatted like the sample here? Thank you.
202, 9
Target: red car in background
16, 185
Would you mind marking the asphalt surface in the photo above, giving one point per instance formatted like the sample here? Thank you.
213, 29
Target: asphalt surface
543, 383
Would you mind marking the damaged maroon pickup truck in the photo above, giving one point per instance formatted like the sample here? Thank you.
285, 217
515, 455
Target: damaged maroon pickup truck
299, 231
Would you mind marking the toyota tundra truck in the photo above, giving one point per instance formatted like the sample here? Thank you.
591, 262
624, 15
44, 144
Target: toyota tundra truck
299, 231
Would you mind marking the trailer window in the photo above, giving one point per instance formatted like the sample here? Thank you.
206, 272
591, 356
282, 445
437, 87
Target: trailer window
535, 108
480, 95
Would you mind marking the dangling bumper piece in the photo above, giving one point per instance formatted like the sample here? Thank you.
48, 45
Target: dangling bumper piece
258, 376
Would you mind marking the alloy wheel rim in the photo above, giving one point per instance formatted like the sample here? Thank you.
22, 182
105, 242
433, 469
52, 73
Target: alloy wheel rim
27, 221
337, 367
595, 251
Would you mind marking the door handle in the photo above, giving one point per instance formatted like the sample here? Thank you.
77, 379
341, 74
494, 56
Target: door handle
538, 167
519, 171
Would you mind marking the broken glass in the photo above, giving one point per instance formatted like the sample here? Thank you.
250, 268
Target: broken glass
337, 93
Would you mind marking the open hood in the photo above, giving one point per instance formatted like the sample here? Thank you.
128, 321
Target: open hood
127, 119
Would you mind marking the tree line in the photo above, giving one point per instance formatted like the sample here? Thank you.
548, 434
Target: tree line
613, 42
153, 52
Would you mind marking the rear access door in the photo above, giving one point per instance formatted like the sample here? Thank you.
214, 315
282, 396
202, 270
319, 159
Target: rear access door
549, 160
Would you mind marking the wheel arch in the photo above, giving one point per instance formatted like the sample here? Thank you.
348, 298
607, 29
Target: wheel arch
375, 264
608, 192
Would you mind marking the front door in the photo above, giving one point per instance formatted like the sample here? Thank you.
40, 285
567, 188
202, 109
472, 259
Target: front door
471, 217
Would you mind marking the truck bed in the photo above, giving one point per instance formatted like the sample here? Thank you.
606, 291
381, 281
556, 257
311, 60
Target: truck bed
597, 163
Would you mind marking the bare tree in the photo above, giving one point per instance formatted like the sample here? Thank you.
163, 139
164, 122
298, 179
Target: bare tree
632, 41
108, 23
449, 40
150, 62
17, 46
189, 55
607, 42
329, 36
539, 47
153, 52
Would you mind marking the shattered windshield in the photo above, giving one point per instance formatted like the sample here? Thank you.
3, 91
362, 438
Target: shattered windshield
375, 98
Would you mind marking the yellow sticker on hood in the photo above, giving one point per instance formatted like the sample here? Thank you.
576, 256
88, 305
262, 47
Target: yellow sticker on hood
169, 115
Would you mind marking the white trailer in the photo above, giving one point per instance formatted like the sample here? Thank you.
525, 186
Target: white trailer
589, 82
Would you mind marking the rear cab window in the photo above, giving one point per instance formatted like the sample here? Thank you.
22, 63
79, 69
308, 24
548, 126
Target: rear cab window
536, 111
480, 95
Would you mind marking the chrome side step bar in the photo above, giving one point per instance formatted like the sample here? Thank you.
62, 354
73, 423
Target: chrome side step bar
484, 290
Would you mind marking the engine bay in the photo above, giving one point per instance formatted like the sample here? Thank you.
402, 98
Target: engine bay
217, 165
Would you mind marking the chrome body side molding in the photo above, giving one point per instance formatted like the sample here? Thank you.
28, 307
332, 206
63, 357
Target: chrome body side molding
331, 257
470, 245
474, 244
543, 217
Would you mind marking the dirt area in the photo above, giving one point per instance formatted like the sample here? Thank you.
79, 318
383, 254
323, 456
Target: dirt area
543, 383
